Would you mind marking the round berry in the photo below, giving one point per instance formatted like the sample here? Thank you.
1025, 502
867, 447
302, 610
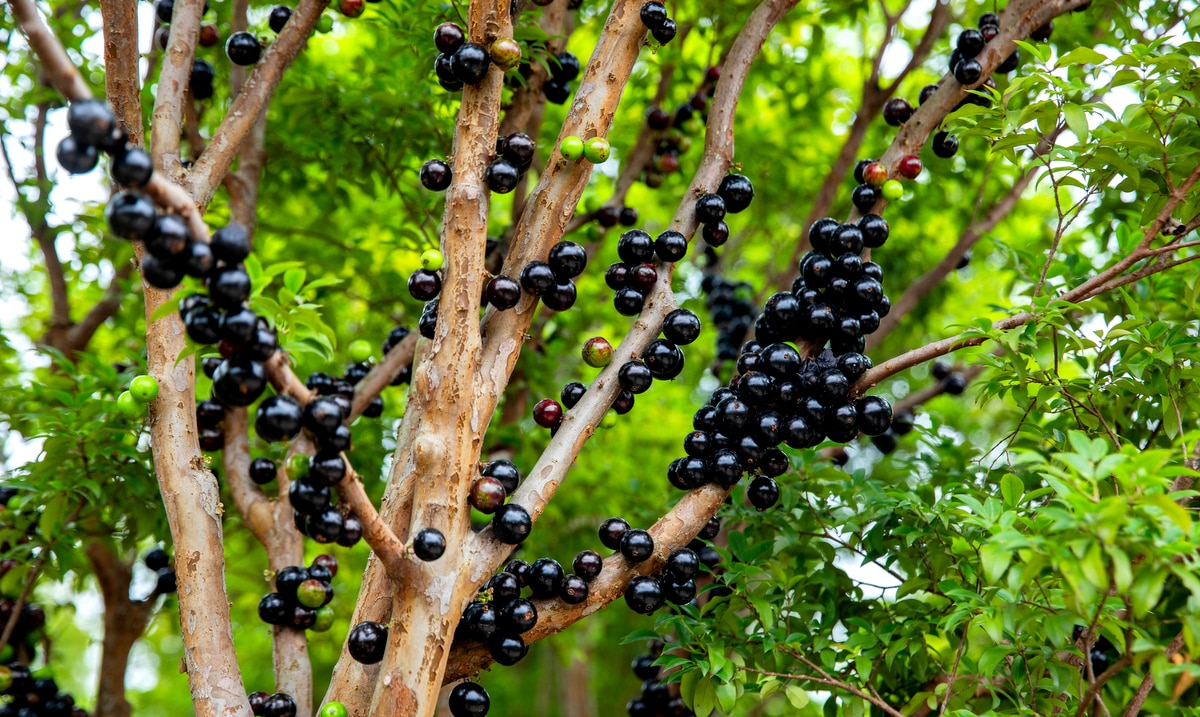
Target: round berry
571, 147
243, 48
511, 524
367, 642
468, 699
596, 150
597, 352
436, 175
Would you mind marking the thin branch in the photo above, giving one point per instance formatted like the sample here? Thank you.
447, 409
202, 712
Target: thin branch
385, 544
125, 620
383, 373
1144, 689
81, 333
227, 141
166, 123
60, 72
831, 682
123, 87
250, 501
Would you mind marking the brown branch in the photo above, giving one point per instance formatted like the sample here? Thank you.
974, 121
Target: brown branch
166, 122
250, 501
676, 528
385, 545
673, 530
123, 87
526, 100
1094, 690
873, 100
80, 335
124, 622
1147, 684
279, 373
227, 141
59, 71
1107, 280
383, 373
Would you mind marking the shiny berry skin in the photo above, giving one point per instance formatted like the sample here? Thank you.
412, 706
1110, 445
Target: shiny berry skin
909, 166
874, 415
571, 147
587, 565
571, 394
597, 352
682, 564
574, 590
436, 175
505, 52
351, 531
637, 545
763, 493
653, 15
989, 19
131, 167
505, 588
710, 209
76, 157
545, 578
326, 468
519, 149
367, 642
635, 377
487, 494
424, 285
737, 191
656, 117
945, 145
664, 359
628, 216
279, 16
507, 650
503, 292
926, 92
243, 49
970, 43
635, 247
231, 243
322, 416
91, 122
567, 260
644, 594
715, 234
502, 176
547, 413
468, 699
897, 111
537, 278
429, 544
596, 150
611, 532
130, 214
681, 327
448, 37
671, 246
314, 593
505, 472
968, 72
875, 174
864, 197
666, 32
470, 63
278, 419
511, 524
617, 275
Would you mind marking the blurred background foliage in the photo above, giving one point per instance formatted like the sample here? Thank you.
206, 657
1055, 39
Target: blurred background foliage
353, 121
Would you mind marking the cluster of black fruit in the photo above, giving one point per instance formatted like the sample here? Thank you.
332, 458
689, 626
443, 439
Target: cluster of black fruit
644, 594
730, 311
94, 129
675, 127
654, 16
564, 68
29, 697
497, 481
311, 495
459, 62
279, 704
655, 699
302, 596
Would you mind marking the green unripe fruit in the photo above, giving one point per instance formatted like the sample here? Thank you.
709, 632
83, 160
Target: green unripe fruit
892, 190
313, 593
506, 52
571, 147
360, 350
8, 654
432, 259
144, 388
324, 24
128, 405
597, 352
297, 466
333, 709
592, 204
609, 420
6, 679
324, 622
596, 150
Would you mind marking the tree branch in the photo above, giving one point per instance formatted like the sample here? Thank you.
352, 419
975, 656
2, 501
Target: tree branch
166, 123
124, 622
227, 141
383, 373
1144, 689
123, 87
81, 333
60, 72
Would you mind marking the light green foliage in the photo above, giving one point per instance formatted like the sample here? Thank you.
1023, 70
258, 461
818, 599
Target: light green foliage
1039, 503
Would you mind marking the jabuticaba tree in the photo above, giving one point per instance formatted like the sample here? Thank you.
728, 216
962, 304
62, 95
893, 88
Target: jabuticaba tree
896, 403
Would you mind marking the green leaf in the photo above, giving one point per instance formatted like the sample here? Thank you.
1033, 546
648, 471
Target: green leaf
995, 561
797, 696
1011, 489
726, 696
1080, 56
1076, 120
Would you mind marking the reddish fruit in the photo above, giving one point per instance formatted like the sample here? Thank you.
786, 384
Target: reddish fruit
712, 74
352, 8
547, 413
505, 52
597, 352
909, 166
328, 562
487, 494
209, 35
875, 174
668, 163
